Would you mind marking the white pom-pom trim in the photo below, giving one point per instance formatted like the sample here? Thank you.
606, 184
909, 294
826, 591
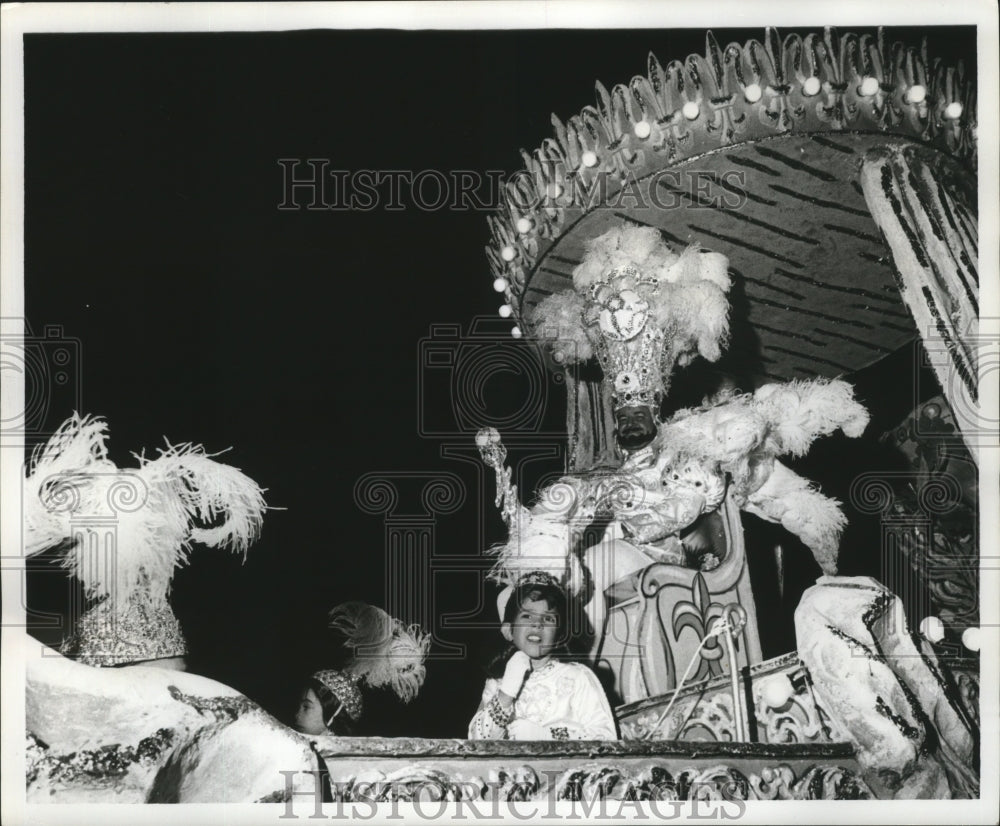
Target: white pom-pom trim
811, 86
869, 86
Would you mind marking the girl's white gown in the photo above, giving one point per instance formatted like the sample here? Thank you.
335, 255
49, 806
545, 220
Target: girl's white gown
560, 701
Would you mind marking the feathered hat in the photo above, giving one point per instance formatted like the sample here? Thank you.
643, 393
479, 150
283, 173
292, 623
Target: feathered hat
641, 308
385, 652
127, 531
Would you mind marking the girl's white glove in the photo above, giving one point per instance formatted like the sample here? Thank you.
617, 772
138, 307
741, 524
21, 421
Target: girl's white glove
517, 669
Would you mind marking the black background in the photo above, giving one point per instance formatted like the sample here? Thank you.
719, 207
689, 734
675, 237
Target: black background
206, 314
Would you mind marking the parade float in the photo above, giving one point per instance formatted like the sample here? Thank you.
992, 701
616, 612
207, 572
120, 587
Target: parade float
809, 205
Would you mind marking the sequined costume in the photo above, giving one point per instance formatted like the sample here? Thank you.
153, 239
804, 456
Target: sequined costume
560, 701
137, 628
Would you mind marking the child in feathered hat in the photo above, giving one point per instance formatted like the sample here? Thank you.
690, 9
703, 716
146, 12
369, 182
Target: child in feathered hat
386, 653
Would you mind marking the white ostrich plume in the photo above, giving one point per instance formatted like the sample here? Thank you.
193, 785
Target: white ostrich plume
386, 651
150, 516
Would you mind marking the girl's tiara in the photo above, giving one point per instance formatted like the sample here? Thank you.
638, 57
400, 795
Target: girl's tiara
530, 578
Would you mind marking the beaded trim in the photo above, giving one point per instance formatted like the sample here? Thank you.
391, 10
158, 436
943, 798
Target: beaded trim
345, 688
139, 627
632, 366
498, 714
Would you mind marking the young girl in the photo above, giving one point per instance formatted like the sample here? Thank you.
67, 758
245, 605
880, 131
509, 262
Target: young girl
386, 652
537, 696
330, 704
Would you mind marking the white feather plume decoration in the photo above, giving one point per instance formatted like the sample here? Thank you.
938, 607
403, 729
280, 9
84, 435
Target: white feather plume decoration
798, 412
544, 537
80, 442
386, 652
685, 292
210, 492
155, 512
777, 420
541, 543
560, 319
800, 508
696, 314
62, 481
622, 246
743, 435
540, 538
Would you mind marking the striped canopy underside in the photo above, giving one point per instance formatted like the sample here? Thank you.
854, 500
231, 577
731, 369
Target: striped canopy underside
813, 287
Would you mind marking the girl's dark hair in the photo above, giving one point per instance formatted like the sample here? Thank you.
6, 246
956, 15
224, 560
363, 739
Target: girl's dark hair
551, 595
341, 725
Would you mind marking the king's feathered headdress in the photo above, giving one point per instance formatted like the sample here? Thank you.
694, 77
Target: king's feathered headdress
641, 308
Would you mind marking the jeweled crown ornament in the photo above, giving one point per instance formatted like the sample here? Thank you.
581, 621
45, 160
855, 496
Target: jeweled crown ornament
536, 578
641, 309
624, 312
629, 346
345, 688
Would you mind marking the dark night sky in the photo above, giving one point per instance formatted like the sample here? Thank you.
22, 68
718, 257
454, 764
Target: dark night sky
206, 314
